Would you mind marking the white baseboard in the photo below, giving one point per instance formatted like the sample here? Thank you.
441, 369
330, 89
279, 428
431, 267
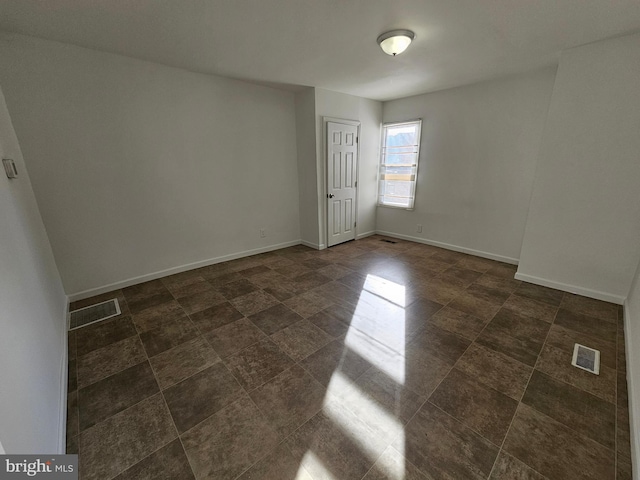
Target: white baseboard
634, 403
365, 234
315, 246
585, 292
182, 268
64, 379
455, 248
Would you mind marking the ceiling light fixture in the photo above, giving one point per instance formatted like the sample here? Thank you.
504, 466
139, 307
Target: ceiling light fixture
395, 42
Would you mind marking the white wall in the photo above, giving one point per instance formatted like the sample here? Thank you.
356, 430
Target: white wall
583, 226
32, 318
139, 168
477, 164
632, 341
307, 171
369, 114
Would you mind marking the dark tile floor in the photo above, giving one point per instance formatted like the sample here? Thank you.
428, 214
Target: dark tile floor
369, 360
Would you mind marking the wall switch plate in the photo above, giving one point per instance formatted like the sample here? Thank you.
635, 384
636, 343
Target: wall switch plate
419, 228
10, 168
263, 232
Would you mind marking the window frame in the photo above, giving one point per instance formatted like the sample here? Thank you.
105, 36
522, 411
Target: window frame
382, 166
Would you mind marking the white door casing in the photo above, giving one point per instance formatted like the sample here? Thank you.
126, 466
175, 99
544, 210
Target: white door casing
342, 169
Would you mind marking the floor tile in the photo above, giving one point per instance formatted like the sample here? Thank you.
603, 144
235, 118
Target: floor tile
215, 317
531, 308
589, 326
308, 303
476, 264
441, 343
274, 319
168, 463
472, 304
335, 357
106, 361
105, 398
623, 469
589, 306
481, 408
72, 375
73, 422
301, 339
308, 281
157, 315
335, 444
105, 333
395, 398
397, 318
334, 272
123, 440
491, 295
167, 335
515, 335
187, 286
233, 337
565, 339
329, 323
258, 364
556, 363
393, 466
438, 290
289, 399
236, 437
254, 302
555, 450
178, 363
577, 409
442, 447
72, 345
623, 434
292, 270
220, 278
252, 271
510, 468
497, 282
237, 288
201, 301
541, 294
279, 292
461, 323
141, 302
279, 464
461, 277
504, 270
201, 395
495, 370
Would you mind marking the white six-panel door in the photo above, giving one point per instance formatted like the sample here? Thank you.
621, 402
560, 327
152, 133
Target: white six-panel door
342, 168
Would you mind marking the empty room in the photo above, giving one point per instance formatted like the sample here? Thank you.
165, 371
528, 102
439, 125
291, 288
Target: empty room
328, 239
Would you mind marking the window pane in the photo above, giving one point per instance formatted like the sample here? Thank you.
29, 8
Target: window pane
399, 164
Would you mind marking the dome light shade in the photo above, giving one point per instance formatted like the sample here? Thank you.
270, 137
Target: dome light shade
395, 41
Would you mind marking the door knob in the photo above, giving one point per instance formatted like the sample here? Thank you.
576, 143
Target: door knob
331, 195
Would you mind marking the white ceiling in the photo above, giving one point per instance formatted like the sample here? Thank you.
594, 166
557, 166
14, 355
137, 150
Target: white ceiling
331, 43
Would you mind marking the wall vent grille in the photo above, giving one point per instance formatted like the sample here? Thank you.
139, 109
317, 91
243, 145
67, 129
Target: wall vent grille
93, 313
586, 358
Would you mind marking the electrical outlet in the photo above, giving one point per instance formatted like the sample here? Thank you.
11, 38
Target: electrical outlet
419, 228
263, 232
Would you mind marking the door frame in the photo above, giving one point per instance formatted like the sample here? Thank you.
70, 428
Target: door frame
325, 183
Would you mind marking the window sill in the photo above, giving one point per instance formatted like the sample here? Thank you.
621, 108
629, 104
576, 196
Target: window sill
394, 207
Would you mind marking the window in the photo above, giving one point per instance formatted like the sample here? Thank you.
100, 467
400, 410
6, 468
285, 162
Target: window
399, 163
